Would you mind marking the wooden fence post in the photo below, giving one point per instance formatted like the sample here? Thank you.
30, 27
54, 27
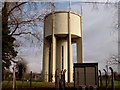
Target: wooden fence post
14, 79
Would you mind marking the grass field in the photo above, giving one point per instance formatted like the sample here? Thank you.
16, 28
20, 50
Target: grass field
36, 84
116, 84
8, 84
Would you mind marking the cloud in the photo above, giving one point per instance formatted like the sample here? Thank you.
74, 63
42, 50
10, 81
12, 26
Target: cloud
98, 42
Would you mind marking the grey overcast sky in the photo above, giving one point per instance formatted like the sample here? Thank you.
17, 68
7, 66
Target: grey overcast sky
99, 35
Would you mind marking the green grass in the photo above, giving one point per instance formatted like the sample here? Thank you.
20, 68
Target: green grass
7, 84
36, 84
116, 84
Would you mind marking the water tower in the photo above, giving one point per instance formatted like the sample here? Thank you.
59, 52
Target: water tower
61, 30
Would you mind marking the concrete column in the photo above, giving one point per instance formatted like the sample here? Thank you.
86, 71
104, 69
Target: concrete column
65, 59
58, 56
79, 51
63, 43
70, 62
53, 58
45, 60
53, 50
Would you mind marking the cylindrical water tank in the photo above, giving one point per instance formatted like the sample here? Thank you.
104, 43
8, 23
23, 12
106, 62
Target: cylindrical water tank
61, 22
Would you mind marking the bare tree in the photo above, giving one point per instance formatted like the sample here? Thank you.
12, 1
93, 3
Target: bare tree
115, 59
23, 20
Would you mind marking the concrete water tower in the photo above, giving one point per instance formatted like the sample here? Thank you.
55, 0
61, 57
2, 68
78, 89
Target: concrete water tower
61, 30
